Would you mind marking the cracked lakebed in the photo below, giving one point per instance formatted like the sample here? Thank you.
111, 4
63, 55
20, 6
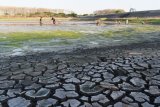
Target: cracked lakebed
108, 76
101, 77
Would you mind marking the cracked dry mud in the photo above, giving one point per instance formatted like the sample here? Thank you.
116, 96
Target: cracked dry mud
49, 81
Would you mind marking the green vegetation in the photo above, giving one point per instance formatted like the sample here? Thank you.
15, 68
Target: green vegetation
154, 21
130, 31
50, 14
40, 14
17, 38
137, 20
109, 11
10, 11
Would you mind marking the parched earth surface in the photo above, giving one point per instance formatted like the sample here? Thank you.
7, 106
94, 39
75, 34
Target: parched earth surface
122, 76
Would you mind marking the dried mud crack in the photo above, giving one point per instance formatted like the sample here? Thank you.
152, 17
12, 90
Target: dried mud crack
70, 80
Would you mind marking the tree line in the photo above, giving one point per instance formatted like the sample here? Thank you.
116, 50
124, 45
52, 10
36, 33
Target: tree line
108, 11
35, 12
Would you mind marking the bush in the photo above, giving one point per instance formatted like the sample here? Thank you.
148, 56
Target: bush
72, 15
108, 11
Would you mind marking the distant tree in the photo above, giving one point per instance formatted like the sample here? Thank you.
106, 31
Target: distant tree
132, 10
6, 14
61, 15
48, 14
72, 15
119, 11
85, 14
33, 12
108, 11
19, 14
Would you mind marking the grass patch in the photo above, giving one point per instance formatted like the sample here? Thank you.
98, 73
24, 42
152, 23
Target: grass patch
130, 31
137, 20
154, 21
45, 35
17, 38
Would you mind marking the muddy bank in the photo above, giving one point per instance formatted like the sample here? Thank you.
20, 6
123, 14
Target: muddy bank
71, 37
142, 49
116, 76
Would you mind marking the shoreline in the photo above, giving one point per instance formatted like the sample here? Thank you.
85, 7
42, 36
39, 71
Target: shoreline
123, 51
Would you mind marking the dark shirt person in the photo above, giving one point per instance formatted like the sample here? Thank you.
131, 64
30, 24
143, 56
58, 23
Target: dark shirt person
54, 20
40, 20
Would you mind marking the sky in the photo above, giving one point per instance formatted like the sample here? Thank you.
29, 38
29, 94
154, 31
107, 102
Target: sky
85, 6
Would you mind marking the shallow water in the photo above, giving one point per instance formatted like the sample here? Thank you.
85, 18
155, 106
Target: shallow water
91, 37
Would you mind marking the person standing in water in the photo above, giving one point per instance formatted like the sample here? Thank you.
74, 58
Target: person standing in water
126, 22
40, 21
54, 20
98, 22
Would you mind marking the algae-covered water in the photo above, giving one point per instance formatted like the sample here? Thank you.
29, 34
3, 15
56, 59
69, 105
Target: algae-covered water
21, 39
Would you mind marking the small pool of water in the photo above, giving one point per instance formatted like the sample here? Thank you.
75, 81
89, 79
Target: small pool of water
92, 37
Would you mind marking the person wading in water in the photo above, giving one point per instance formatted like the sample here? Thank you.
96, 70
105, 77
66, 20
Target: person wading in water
40, 21
98, 22
54, 21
